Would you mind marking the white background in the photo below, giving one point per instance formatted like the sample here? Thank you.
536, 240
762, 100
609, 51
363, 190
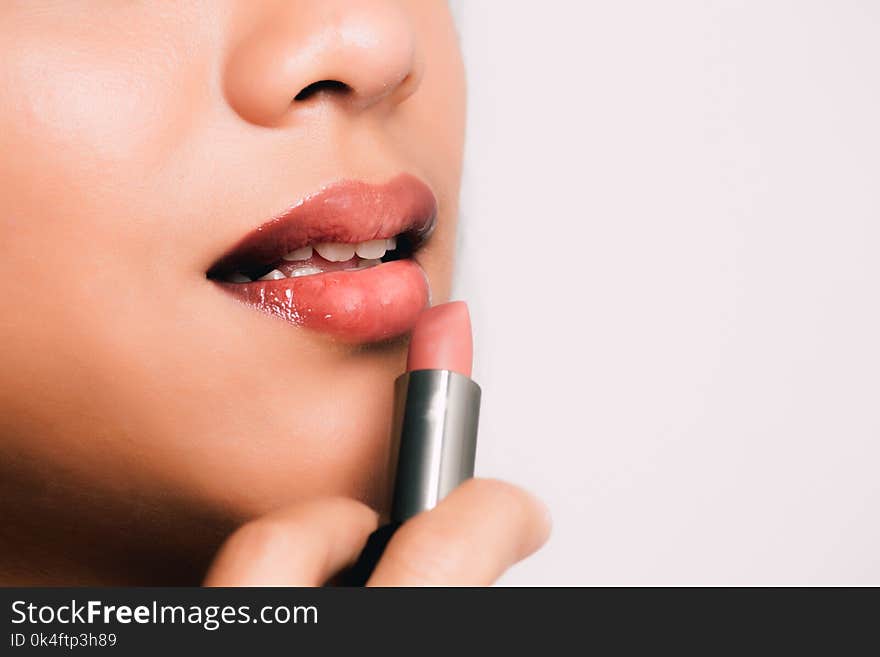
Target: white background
672, 221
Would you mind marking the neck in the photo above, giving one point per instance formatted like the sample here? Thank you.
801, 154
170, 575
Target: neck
58, 532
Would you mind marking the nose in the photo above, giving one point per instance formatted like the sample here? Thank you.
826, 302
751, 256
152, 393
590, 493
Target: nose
356, 54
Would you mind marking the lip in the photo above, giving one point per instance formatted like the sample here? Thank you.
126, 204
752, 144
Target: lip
366, 305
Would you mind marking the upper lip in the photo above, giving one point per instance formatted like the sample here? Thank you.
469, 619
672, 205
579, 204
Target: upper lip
347, 211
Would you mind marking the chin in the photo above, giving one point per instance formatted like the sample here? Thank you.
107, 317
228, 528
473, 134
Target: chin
297, 445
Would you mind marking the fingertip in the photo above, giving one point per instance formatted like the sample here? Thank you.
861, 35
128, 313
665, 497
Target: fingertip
356, 510
546, 522
520, 502
302, 545
469, 539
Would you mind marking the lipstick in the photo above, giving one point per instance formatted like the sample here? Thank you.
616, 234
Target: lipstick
434, 424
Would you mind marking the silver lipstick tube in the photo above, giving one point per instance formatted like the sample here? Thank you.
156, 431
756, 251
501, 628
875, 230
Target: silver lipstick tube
434, 438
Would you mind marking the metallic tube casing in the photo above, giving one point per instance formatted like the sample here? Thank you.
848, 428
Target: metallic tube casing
434, 435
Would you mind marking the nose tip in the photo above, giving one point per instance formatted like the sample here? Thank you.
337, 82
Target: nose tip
357, 55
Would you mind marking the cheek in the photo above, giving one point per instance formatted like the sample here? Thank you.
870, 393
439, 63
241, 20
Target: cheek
84, 121
88, 121
432, 120
430, 128
103, 109
75, 113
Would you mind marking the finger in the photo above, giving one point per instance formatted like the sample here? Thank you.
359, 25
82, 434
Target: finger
301, 546
476, 533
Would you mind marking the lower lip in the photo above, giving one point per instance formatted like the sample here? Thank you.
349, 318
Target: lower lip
368, 305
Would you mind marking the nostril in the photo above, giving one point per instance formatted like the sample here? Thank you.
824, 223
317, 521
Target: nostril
328, 86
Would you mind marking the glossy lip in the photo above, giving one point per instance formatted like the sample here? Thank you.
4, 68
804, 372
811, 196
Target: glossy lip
365, 305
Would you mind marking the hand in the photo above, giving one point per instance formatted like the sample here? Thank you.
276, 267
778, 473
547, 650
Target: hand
476, 533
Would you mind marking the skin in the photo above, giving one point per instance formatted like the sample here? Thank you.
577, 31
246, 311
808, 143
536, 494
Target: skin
145, 416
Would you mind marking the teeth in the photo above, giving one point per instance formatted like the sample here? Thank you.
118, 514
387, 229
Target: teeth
335, 251
366, 264
369, 254
299, 254
304, 271
273, 275
372, 249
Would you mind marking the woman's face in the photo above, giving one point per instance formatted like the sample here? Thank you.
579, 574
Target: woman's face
146, 408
